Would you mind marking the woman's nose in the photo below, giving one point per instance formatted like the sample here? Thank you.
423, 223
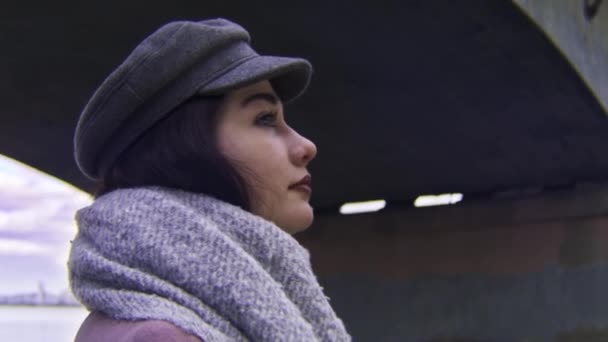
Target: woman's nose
303, 151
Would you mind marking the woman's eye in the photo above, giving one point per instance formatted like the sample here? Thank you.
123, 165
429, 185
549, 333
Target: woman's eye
267, 119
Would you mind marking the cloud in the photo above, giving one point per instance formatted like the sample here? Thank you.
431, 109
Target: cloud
33, 201
38, 215
36, 221
13, 247
11, 182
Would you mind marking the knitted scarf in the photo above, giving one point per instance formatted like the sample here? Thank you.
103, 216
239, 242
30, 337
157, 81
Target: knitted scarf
210, 268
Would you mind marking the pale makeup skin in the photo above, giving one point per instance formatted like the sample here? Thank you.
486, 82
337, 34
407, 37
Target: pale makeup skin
253, 134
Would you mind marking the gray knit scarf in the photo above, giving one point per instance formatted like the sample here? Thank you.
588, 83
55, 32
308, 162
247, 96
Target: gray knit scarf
206, 266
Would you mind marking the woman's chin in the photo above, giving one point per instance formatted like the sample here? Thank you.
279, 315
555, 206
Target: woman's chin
298, 220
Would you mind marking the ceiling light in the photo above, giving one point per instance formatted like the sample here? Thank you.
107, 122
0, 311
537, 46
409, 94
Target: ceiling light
433, 200
362, 207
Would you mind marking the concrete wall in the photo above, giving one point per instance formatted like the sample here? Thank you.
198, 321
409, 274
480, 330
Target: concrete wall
510, 269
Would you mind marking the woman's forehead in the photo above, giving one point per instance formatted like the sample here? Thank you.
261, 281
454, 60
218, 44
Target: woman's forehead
258, 92
258, 87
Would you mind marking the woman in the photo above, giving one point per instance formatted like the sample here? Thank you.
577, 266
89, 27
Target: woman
202, 182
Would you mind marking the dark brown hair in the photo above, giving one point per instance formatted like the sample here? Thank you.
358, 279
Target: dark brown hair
180, 152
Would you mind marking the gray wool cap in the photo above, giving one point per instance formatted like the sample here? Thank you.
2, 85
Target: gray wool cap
179, 60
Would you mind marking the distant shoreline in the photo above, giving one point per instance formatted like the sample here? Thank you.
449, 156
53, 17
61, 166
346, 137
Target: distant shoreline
40, 298
50, 305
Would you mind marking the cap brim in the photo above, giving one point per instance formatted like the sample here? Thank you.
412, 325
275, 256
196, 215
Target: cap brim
288, 76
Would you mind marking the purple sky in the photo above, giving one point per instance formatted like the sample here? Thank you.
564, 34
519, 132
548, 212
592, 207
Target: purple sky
36, 224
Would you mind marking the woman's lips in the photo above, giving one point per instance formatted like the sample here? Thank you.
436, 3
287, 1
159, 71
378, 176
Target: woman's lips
304, 185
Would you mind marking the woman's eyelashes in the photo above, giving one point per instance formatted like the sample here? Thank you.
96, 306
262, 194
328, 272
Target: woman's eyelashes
269, 119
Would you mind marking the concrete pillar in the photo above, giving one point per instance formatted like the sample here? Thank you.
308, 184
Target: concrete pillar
579, 28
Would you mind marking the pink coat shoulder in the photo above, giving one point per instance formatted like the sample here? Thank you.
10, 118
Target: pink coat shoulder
98, 327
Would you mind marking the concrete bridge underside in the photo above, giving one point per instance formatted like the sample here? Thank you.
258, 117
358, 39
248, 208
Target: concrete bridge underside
502, 101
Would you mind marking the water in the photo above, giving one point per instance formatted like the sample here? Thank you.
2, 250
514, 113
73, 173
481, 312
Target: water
34, 324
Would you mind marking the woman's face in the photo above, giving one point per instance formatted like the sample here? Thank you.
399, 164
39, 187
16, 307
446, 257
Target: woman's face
269, 155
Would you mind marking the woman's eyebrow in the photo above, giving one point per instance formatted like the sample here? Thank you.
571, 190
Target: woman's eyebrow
268, 97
